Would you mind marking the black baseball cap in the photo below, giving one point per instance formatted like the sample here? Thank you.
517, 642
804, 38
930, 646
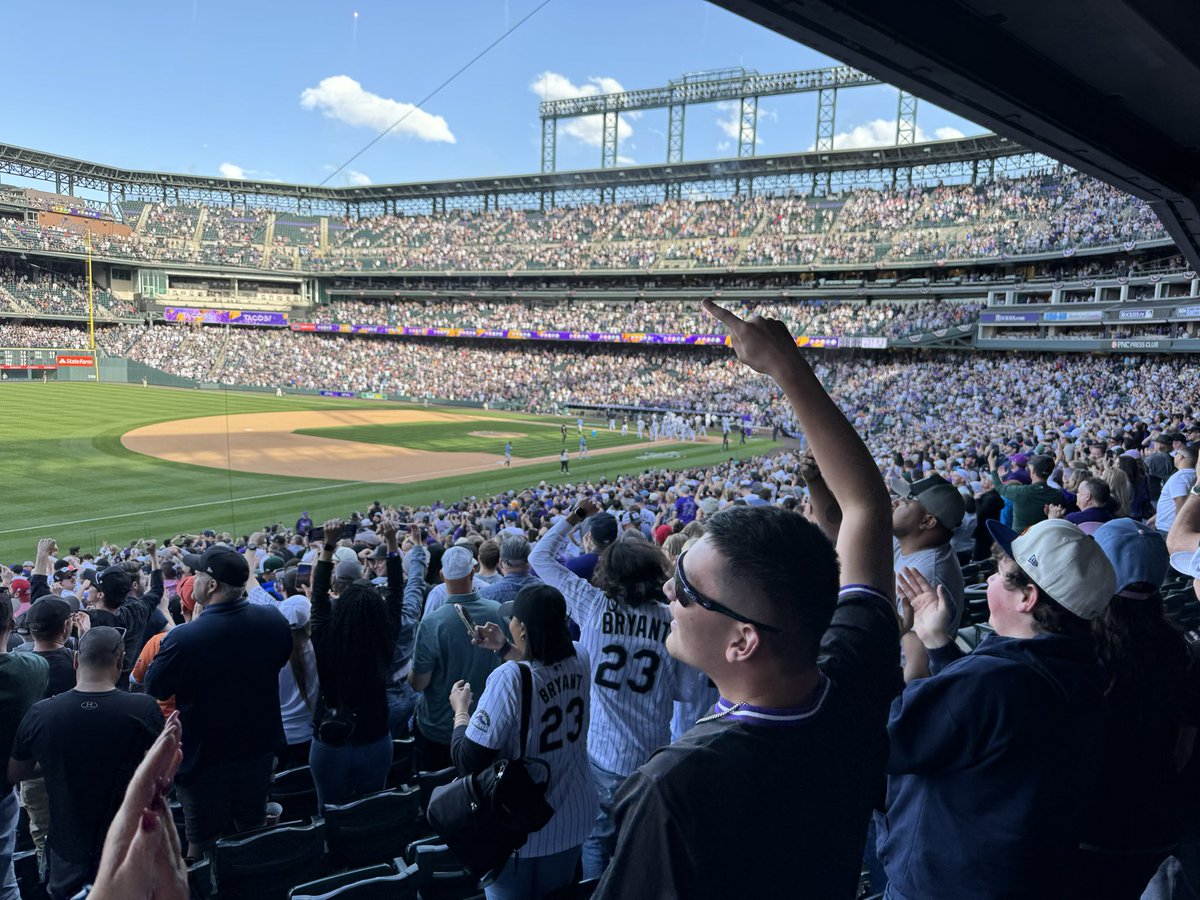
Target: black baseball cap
47, 615
115, 583
225, 565
603, 527
539, 605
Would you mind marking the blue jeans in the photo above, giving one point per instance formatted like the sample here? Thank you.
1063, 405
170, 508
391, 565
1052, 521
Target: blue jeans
344, 773
402, 703
534, 877
10, 812
598, 848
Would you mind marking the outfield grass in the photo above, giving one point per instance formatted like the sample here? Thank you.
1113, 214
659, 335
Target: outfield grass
68, 476
530, 439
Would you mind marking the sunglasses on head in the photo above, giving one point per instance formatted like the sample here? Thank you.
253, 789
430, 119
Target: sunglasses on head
686, 595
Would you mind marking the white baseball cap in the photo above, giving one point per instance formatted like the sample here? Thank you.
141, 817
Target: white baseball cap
1064, 561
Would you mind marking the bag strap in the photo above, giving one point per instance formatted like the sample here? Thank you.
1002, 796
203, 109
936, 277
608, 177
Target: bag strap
526, 703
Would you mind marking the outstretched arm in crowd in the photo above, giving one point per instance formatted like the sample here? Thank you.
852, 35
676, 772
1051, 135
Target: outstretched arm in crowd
864, 541
39, 579
322, 576
1184, 536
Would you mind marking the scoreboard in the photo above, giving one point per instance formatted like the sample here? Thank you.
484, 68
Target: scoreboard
27, 358
41, 358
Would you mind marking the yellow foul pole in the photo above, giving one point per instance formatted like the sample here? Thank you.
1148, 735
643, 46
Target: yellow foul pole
91, 309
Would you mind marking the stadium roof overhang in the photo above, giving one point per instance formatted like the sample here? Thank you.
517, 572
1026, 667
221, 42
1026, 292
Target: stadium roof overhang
1111, 87
75, 174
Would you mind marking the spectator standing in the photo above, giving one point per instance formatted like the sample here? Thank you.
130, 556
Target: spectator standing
1175, 490
1029, 500
1137, 810
924, 517
623, 624
514, 564
1003, 743
445, 654
114, 607
805, 673
23, 679
298, 685
354, 640
86, 742
558, 727
599, 532
223, 670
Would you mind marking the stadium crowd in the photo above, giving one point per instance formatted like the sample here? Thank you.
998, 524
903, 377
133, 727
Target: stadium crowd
47, 293
787, 620
1004, 217
812, 317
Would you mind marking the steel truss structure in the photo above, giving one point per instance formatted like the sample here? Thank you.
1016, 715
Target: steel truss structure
814, 173
741, 86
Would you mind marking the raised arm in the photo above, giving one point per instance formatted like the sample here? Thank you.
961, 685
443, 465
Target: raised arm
1184, 536
39, 579
865, 537
322, 575
581, 596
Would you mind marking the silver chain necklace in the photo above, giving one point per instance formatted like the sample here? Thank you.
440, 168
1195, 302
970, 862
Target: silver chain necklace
720, 715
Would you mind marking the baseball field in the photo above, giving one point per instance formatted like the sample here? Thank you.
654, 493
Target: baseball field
85, 463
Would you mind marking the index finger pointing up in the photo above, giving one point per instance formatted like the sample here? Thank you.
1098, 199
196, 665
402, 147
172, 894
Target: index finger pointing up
729, 319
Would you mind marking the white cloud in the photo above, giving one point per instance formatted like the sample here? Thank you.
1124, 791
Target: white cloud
587, 130
946, 134
342, 98
731, 121
229, 170
357, 179
882, 133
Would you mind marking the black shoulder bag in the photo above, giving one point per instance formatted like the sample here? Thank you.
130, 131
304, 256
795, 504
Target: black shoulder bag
484, 818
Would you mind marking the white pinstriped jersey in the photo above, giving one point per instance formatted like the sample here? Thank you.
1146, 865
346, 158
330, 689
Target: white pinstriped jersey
558, 731
634, 680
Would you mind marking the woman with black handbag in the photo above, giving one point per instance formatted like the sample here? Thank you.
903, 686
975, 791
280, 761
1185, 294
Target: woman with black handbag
557, 735
353, 639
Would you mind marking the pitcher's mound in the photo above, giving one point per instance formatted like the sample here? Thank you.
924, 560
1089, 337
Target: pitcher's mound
507, 435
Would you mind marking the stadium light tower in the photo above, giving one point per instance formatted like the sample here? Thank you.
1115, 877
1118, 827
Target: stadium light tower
743, 86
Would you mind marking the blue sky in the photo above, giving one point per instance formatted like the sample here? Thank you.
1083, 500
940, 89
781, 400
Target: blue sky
291, 90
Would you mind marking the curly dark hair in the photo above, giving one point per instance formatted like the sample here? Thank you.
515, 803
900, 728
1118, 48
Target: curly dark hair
353, 649
1145, 657
631, 572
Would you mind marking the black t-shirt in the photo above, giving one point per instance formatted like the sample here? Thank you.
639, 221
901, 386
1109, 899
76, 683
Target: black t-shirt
62, 670
768, 803
88, 745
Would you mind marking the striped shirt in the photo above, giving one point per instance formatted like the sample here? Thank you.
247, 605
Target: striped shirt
634, 680
558, 734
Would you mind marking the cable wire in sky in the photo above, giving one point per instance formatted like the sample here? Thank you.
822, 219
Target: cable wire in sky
478, 56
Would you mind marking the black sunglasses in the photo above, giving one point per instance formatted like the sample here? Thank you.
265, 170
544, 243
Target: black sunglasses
685, 594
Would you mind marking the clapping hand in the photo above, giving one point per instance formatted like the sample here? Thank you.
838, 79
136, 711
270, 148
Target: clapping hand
929, 611
1055, 510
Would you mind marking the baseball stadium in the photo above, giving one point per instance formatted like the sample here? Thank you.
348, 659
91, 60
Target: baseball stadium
272, 441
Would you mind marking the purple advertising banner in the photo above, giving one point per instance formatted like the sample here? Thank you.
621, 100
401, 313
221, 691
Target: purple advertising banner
595, 337
1010, 317
226, 316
